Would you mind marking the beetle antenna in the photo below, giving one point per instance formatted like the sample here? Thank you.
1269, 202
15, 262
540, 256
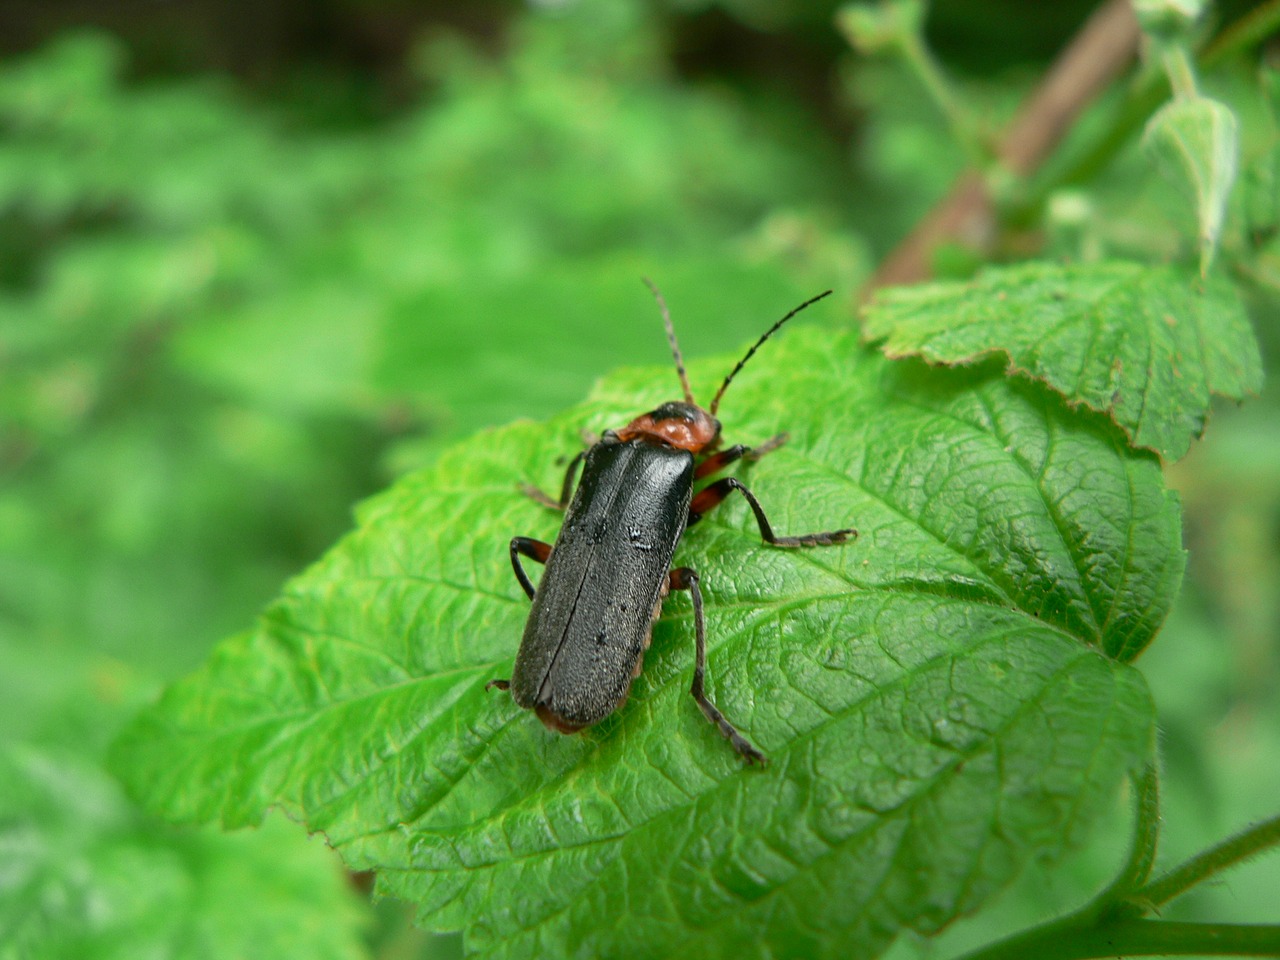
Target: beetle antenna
671, 339
715, 402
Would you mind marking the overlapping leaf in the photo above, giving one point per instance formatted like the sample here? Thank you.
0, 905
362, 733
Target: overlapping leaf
1146, 345
87, 875
942, 700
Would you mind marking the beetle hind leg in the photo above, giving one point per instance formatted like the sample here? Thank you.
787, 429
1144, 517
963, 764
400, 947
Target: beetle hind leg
713, 495
684, 578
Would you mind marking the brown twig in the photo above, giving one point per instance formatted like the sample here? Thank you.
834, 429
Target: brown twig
1101, 49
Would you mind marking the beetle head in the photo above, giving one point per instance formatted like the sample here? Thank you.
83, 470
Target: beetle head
677, 424
684, 424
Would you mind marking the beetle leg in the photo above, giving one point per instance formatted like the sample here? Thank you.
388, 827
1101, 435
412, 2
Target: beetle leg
717, 462
684, 578
534, 550
566, 490
770, 445
713, 495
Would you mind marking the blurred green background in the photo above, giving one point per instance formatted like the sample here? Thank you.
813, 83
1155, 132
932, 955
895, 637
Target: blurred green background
257, 259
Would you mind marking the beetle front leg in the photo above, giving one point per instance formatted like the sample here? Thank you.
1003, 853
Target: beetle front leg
713, 495
770, 445
534, 550
684, 578
718, 461
566, 489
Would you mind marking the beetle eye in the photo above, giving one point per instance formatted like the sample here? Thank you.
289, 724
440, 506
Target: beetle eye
673, 411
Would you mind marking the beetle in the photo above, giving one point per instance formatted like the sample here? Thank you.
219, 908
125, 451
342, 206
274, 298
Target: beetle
609, 571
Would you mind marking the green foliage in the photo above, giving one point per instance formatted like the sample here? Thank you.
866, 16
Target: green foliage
88, 875
1146, 345
958, 643
126, 466
192, 349
214, 323
221, 324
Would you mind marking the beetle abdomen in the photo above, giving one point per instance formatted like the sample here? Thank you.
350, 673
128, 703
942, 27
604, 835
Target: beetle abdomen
604, 582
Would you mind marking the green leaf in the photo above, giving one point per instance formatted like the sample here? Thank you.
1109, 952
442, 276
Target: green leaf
88, 875
1146, 345
1197, 140
943, 700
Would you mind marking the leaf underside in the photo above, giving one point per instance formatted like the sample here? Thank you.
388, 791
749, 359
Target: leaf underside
1146, 345
942, 700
